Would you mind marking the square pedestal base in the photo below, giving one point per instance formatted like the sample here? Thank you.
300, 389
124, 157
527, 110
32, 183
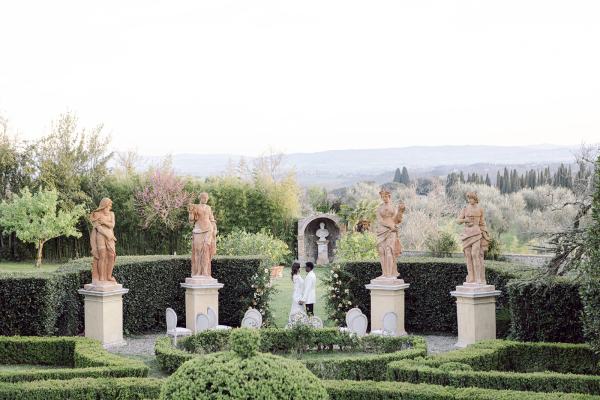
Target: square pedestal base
104, 315
475, 313
200, 293
387, 295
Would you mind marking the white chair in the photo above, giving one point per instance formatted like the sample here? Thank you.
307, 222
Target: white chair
353, 312
251, 322
172, 329
358, 325
213, 320
255, 316
315, 322
390, 322
202, 323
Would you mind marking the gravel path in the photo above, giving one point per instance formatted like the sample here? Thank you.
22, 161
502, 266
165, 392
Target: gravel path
143, 345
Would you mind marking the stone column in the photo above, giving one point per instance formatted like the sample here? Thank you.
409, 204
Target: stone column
387, 295
200, 293
104, 313
475, 312
322, 252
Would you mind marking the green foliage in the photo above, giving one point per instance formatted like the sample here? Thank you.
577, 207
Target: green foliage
78, 357
442, 245
354, 390
429, 307
343, 363
83, 389
590, 287
494, 251
545, 309
539, 367
227, 376
244, 342
49, 304
356, 246
263, 244
35, 218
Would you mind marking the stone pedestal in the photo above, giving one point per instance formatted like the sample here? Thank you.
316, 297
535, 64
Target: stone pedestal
475, 312
387, 295
104, 313
200, 293
322, 252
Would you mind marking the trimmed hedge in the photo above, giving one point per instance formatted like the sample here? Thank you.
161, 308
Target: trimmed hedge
353, 390
429, 306
546, 310
81, 357
83, 389
538, 367
357, 367
49, 304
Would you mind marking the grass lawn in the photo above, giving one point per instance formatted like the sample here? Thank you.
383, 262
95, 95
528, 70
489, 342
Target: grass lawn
27, 266
281, 302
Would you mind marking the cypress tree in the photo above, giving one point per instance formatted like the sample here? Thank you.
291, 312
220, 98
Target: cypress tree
397, 175
405, 177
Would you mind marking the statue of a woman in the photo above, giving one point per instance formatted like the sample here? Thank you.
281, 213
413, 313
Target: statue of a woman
475, 239
388, 244
103, 241
204, 236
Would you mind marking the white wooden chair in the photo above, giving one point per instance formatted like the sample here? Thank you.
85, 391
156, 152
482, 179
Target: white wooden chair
213, 320
353, 312
202, 323
390, 322
358, 325
315, 322
252, 319
172, 329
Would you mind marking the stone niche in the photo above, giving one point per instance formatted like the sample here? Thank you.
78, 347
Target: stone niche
307, 236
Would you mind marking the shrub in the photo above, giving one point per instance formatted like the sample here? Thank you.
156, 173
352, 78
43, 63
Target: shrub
341, 366
234, 375
442, 245
429, 306
356, 246
507, 365
590, 288
352, 390
262, 244
50, 305
547, 309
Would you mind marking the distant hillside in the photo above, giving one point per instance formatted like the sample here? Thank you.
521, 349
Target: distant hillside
344, 167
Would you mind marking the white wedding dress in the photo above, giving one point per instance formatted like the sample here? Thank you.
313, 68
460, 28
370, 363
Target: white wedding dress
297, 295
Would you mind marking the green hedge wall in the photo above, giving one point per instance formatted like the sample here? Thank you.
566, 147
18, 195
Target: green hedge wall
538, 367
339, 366
360, 390
49, 304
80, 357
429, 306
546, 310
83, 389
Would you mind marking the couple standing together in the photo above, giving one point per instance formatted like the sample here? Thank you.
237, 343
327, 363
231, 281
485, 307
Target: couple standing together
305, 290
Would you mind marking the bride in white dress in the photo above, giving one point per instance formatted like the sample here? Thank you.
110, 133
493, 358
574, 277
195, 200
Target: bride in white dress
298, 290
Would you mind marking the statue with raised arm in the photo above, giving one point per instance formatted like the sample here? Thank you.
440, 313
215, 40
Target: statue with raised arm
204, 237
103, 242
388, 243
475, 239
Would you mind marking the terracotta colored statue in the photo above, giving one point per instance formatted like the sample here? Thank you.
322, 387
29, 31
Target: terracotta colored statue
475, 239
388, 244
204, 236
103, 241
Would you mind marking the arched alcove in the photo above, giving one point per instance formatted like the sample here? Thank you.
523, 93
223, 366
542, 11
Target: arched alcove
307, 238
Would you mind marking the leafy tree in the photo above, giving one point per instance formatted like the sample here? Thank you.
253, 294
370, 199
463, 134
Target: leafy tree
356, 246
35, 219
241, 243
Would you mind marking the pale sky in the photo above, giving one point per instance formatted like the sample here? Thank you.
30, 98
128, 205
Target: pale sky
300, 76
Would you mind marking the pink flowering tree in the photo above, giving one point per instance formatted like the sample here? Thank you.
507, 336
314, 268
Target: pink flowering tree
162, 201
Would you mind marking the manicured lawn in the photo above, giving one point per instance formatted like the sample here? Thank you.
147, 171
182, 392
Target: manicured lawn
26, 266
281, 302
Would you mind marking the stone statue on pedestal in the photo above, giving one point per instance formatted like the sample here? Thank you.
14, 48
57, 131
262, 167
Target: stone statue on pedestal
103, 242
475, 239
388, 243
204, 237
322, 245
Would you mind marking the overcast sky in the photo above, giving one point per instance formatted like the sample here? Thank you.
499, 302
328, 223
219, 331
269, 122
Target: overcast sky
298, 76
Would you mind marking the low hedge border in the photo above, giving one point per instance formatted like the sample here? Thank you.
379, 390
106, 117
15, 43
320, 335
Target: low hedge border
509, 366
83, 389
273, 340
81, 357
353, 390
